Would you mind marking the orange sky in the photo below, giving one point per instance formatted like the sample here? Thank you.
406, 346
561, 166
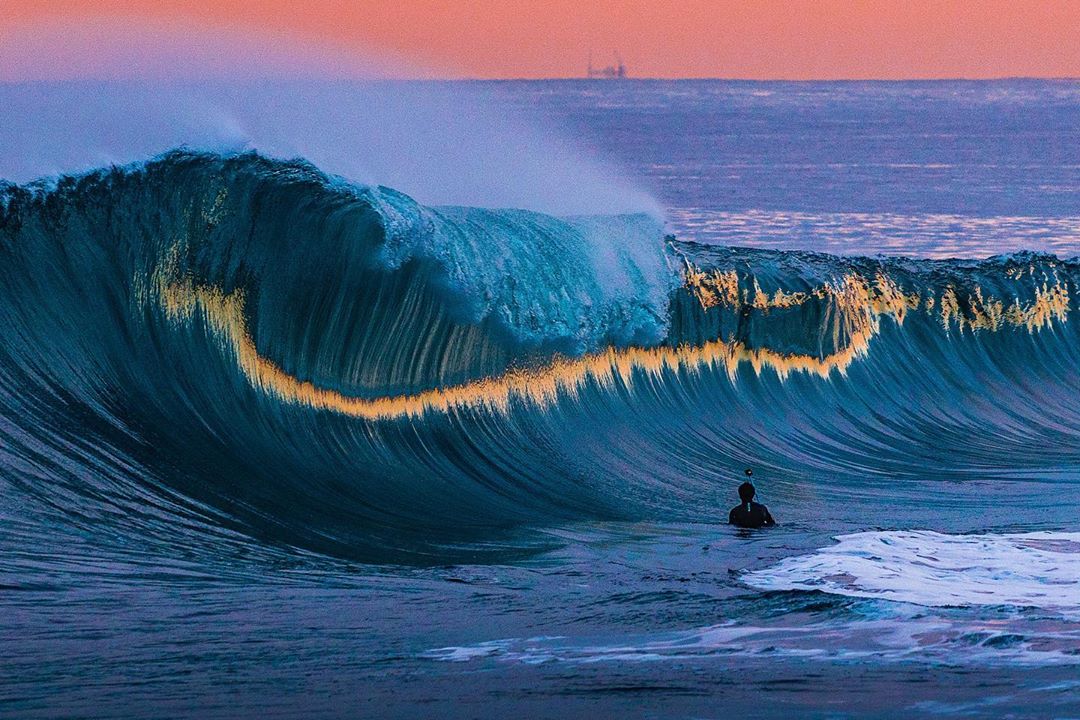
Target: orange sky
793, 39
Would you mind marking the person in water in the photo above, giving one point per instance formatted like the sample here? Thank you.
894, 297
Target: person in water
749, 514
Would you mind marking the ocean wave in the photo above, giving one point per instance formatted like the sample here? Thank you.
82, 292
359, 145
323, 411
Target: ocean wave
1036, 570
890, 637
337, 368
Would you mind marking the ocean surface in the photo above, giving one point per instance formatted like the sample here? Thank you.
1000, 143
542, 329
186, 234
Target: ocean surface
276, 443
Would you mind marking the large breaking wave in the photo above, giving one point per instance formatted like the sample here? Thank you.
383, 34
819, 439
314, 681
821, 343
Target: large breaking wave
251, 346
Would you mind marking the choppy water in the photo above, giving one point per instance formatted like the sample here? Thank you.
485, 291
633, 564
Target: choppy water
274, 443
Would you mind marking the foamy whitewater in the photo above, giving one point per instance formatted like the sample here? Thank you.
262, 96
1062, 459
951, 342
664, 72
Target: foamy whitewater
293, 424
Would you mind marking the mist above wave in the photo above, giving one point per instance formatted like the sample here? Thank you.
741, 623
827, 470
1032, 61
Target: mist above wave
113, 92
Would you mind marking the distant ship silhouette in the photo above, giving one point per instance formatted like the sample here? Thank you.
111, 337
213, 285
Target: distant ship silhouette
611, 72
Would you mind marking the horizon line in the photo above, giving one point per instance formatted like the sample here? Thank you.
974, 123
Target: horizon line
957, 78
561, 78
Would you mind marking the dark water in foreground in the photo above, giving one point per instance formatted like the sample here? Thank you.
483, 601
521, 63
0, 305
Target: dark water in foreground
644, 620
477, 468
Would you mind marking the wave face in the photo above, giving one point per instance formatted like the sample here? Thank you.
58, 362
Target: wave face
207, 345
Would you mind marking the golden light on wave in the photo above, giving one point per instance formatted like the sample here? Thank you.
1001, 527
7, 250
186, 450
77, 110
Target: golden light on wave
1051, 303
853, 295
860, 305
224, 315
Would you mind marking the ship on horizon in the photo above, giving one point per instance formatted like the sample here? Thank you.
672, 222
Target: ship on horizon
611, 72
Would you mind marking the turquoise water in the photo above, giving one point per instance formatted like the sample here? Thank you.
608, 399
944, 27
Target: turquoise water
273, 442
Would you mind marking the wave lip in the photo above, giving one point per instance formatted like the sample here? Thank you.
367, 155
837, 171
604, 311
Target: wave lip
1039, 569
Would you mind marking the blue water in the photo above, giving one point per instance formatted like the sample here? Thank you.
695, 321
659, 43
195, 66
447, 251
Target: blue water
277, 443
928, 169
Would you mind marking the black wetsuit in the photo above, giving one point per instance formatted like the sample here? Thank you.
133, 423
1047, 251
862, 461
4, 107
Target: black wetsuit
750, 515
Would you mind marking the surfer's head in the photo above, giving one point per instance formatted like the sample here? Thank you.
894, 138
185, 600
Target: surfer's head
747, 491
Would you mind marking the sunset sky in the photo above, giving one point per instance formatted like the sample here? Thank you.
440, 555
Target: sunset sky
762, 39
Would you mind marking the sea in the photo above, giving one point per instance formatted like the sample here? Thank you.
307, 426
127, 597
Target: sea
447, 422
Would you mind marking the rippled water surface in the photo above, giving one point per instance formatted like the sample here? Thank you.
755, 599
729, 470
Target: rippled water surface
276, 445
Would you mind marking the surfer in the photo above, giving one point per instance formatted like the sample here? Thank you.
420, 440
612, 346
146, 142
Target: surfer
749, 514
